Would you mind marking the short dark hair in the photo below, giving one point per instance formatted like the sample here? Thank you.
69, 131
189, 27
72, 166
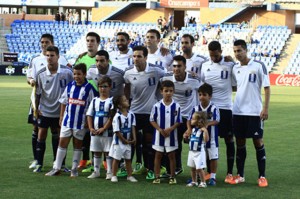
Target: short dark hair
241, 43
189, 36
167, 83
179, 58
155, 32
141, 48
53, 49
80, 66
48, 36
105, 79
93, 34
125, 34
103, 53
206, 88
214, 45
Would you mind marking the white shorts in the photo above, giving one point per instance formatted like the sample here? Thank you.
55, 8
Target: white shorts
213, 152
100, 143
67, 132
197, 159
119, 151
162, 149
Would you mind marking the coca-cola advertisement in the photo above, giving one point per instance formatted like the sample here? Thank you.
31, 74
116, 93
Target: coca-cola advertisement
284, 80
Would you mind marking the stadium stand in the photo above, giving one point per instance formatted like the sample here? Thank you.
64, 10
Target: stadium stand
293, 67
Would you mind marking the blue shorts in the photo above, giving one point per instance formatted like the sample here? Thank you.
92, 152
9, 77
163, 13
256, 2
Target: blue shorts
247, 127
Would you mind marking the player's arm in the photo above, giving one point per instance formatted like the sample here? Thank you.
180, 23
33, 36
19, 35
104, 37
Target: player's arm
62, 111
265, 112
120, 136
171, 128
37, 103
90, 121
133, 133
205, 134
164, 51
127, 90
157, 127
105, 127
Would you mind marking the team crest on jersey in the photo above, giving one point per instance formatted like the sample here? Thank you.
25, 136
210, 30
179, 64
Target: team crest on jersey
151, 81
252, 77
10, 70
188, 92
224, 74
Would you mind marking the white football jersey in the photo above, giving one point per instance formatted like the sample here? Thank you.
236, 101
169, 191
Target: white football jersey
121, 61
194, 64
158, 59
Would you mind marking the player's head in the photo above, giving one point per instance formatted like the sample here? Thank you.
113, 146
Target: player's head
52, 54
140, 54
199, 119
45, 41
215, 51
187, 43
79, 73
240, 50
92, 41
179, 65
120, 102
205, 93
152, 38
102, 60
122, 41
167, 88
104, 86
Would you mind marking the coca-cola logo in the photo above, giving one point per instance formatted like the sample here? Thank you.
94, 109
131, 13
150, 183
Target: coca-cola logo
285, 80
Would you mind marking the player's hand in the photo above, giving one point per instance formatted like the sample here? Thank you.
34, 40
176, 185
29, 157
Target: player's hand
93, 131
167, 132
228, 58
60, 120
32, 83
126, 142
192, 73
132, 142
264, 115
162, 132
100, 131
164, 51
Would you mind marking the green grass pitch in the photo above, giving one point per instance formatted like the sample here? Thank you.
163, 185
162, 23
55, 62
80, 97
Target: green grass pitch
17, 181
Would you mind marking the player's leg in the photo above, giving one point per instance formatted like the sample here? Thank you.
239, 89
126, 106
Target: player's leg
34, 136
180, 131
55, 129
213, 153
77, 148
85, 150
172, 160
127, 157
138, 148
201, 173
96, 148
157, 161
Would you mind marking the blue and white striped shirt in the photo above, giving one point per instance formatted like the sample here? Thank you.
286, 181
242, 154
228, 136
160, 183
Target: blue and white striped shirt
196, 140
123, 124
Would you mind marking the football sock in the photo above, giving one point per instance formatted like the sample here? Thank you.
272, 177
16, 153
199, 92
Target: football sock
86, 146
76, 158
139, 147
61, 153
34, 142
213, 175
230, 152
109, 164
40, 151
97, 162
261, 160
241, 154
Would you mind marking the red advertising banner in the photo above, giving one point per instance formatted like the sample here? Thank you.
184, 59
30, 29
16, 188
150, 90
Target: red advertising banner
284, 80
184, 3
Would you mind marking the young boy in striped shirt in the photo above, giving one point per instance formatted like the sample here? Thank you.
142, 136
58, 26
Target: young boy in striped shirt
165, 118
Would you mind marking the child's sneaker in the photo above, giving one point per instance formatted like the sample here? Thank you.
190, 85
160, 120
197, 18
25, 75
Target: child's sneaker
108, 176
202, 185
33, 164
237, 180
150, 175
88, 169
212, 182
38, 169
172, 181
114, 179
228, 178
53, 172
94, 175
192, 184
131, 179
74, 173
262, 182
156, 181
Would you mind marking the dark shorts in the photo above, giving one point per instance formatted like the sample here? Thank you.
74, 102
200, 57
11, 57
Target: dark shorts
31, 119
225, 124
143, 123
247, 127
46, 122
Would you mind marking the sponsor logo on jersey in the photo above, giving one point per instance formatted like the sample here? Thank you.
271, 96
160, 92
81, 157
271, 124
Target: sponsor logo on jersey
78, 102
